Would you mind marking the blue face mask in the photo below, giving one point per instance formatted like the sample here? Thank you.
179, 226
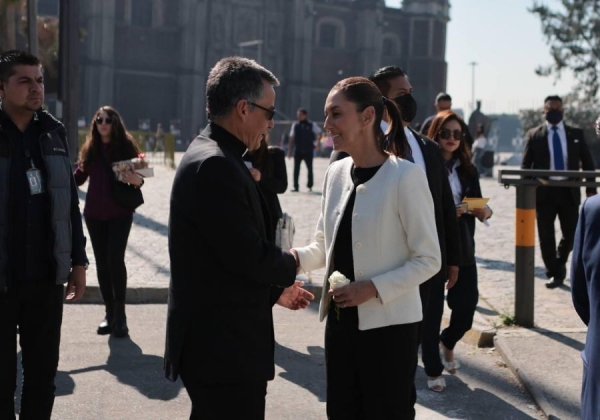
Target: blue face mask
554, 116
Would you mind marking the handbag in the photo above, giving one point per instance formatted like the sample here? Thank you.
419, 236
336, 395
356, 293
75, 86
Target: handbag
284, 233
125, 195
467, 250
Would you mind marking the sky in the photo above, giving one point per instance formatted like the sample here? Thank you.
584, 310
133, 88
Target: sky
507, 43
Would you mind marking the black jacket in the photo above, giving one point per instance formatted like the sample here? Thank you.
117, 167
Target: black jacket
445, 211
223, 268
273, 181
536, 154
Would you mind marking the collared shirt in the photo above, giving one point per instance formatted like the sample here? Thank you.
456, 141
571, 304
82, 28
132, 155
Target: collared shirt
413, 143
455, 185
29, 233
417, 154
562, 134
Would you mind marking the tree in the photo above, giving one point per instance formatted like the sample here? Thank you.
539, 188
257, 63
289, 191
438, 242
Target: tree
573, 35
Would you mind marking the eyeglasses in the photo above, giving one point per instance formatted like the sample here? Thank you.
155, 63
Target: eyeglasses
107, 120
446, 134
270, 112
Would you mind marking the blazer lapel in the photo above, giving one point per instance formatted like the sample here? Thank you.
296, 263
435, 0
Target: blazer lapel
572, 161
544, 150
425, 152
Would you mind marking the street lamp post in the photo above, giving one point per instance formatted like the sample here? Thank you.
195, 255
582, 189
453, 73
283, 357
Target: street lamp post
473, 64
32, 33
256, 42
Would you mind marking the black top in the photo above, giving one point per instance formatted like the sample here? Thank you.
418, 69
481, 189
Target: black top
29, 234
343, 259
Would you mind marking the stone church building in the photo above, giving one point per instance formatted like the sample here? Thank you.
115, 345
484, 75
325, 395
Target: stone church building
150, 58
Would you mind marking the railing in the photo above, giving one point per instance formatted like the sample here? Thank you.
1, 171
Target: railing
160, 152
526, 181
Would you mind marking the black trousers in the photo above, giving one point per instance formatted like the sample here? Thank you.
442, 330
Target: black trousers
244, 400
462, 300
550, 203
37, 311
109, 241
307, 157
370, 374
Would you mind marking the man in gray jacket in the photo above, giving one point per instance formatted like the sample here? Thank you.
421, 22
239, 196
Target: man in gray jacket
42, 246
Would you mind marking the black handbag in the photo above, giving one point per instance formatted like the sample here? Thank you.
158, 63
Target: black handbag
125, 195
467, 249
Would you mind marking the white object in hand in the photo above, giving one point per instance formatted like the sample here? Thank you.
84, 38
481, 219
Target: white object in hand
337, 279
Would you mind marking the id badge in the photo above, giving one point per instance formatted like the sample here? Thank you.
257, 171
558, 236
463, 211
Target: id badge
34, 178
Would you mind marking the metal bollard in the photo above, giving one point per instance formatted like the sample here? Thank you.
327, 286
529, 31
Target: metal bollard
524, 255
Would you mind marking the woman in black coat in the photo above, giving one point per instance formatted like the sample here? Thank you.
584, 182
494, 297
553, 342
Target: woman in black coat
448, 130
269, 171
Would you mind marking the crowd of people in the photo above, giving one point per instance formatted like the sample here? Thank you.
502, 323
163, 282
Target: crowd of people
393, 223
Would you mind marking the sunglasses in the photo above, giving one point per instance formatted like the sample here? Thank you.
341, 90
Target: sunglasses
107, 120
270, 112
446, 134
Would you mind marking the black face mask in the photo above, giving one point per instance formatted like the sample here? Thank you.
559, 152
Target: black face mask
408, 107
554, 116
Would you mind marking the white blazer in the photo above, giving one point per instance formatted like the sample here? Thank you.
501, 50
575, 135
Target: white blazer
395, 242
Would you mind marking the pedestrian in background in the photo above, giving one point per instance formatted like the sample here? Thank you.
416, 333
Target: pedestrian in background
449, 131
42, 246
556, 146
267, 166
303, 137
221, 246
108, 222
377, 229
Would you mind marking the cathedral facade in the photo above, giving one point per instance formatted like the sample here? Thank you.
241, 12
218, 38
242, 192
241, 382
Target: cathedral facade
150, 58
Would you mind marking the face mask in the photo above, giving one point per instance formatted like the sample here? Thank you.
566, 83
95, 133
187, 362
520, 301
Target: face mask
554, 116
408, 107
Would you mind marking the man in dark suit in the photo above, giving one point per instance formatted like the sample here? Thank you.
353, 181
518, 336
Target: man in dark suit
393, 84
443, 102
226, 272
585, 288
556, 146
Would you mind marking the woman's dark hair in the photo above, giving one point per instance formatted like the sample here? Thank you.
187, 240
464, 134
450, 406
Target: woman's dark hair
122, 144
364, 94
463, 154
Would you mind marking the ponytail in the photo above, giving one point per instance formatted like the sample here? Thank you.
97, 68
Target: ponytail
394, 140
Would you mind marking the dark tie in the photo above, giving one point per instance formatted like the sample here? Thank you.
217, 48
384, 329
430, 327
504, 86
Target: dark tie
559, 162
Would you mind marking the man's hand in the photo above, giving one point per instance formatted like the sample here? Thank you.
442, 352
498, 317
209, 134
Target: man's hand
452, 272
353, 294
295, 297
76, 284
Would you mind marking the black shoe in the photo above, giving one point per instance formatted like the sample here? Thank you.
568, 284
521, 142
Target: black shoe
295, 190
310, 190
106, 325
553, 284
561, 273
120, 329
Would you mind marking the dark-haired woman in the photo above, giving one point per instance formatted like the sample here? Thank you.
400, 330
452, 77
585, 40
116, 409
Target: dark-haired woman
267, 167
448, 130
376, 228
107, 222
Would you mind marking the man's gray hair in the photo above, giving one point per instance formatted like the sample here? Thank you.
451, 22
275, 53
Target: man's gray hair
233, 79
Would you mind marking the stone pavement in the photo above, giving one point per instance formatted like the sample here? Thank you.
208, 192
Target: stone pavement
539, 357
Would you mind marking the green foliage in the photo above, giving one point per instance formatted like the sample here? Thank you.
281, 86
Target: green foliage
573, 33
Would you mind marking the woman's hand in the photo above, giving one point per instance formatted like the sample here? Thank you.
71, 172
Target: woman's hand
255, 174
133, 178
354, 294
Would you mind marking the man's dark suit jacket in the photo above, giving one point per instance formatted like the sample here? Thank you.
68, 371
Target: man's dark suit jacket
445, 210
585, 288
224, 270
536, 154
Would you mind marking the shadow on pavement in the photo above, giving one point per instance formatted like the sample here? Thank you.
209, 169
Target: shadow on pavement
133, 368
304, 370
459, 400
563, 339
540, 272
153, 225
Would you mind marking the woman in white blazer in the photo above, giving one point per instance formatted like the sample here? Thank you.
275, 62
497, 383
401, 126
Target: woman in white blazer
377, 228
